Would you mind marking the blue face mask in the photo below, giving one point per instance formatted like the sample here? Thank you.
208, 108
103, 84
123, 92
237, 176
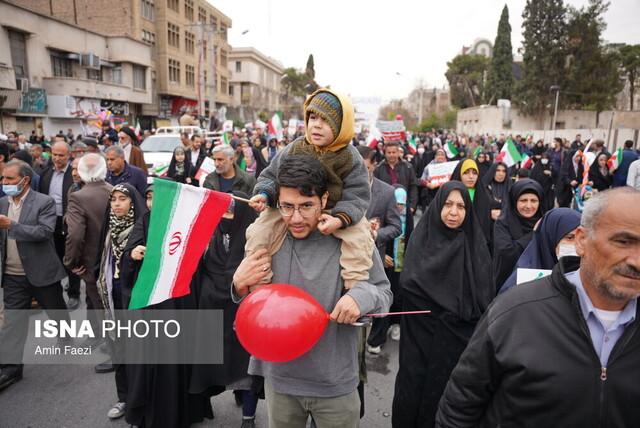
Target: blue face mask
12, 189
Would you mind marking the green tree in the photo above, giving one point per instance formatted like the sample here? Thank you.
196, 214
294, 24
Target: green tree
310, 69
500, 76
293, 82
544, 44
630, 62
465, 74
593, 78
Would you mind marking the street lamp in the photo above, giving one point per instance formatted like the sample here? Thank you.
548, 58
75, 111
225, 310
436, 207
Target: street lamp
555, 88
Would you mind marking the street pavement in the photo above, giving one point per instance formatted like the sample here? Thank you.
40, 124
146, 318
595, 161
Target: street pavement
74, 396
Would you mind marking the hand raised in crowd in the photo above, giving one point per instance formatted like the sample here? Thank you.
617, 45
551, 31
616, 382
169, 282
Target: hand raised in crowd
138, 252
252, 270
346, 310
258, 203
5, 222
329, 224
375, 226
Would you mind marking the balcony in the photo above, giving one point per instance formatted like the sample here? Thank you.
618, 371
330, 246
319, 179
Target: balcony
95, 89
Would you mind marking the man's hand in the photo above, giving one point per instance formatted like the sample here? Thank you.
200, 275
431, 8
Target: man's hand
258, 203
374, 223
346, 311
251, 271
5, 222
329, 224
388, 261
573, 183
138, 252
80, 270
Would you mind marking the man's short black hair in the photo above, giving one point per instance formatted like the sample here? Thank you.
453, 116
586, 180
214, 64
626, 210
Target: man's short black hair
366, 152
391, 144
628, 144
303, 172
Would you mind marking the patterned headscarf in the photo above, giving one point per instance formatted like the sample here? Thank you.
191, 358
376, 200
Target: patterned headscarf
120, 228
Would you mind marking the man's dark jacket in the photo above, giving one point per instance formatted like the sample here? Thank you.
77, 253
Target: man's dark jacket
67, 181
531, 363
406, 177
242, 182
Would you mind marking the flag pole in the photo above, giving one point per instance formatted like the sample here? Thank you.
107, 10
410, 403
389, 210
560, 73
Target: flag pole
238, 198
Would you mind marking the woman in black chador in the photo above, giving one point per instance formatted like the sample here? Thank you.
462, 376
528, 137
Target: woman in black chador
448, 271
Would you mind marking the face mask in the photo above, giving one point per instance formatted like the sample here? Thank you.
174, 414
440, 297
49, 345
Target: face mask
12, 189
566, 250
544, 161
420, 150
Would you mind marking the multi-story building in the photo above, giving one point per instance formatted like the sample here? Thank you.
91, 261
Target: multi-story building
255, 83
188, 39
55, 75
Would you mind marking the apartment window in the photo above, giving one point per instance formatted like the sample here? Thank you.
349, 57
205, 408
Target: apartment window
113, 75
173, 32
204, 49
140, 76
204, 77
94, 74
188, 9
213, 21
223, 31
223, 58
224, 85
174, 5
190, 75
238, 66
189, 42
202, 15
18, 46
148, 37
231, 90
174, 71
61, 67
148, 9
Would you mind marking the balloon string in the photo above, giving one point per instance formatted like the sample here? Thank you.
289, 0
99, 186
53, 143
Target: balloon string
397, 313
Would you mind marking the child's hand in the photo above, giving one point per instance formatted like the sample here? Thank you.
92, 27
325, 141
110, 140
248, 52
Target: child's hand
329, 224
258, 203
188, 180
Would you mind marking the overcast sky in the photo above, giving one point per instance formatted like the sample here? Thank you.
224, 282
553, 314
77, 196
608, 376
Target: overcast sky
359, 46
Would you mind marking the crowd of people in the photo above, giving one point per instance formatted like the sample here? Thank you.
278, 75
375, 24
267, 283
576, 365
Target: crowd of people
363, 229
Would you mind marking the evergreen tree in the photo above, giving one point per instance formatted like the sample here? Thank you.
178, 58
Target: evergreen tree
310, 70
630, 61
465, 74
500, 77
544, 57
593, 79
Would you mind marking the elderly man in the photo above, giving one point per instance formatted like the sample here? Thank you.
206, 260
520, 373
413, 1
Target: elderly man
321, 383
30, 267
561, 351
85, 218
228, 177
55, 182
78, 149
133, 154
121, 172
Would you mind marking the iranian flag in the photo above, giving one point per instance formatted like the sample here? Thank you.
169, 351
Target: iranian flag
615, 160
451, 150
526, 161
413, 144
509, 154
275, 128
182, 221
225, 138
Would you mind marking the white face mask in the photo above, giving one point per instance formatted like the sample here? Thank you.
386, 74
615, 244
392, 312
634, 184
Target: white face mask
420, 150
544, 161
566, 250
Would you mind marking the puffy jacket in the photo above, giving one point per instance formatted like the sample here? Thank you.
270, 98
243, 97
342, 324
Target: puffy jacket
531, 363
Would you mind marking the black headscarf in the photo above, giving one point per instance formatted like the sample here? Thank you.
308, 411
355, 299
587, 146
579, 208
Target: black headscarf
180, 172
499, 191
451, 267
481, 203
541, 251
600, 181
518, 225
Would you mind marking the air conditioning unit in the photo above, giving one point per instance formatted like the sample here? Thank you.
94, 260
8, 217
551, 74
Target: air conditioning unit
90, 61
22, 85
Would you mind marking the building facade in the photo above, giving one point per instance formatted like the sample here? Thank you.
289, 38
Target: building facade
255, 83
187, 38
55, 75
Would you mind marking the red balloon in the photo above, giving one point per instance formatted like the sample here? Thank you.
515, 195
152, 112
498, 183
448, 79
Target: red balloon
280, 322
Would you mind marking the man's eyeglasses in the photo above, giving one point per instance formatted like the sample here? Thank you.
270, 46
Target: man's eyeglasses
305, 210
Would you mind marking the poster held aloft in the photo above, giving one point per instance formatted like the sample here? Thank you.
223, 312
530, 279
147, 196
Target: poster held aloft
440, 173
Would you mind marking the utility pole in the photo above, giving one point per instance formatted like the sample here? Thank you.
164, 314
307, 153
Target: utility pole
555, 109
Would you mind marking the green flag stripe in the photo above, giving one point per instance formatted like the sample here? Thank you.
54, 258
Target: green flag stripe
165, 198
513, 152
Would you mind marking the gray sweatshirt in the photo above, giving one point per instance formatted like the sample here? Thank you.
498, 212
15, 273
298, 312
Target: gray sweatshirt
330, 368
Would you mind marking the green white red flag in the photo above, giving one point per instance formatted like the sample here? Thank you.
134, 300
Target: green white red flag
615, 160
182, 222
509, 154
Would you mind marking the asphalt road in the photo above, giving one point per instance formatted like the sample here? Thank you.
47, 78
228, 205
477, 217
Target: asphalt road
74, 396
